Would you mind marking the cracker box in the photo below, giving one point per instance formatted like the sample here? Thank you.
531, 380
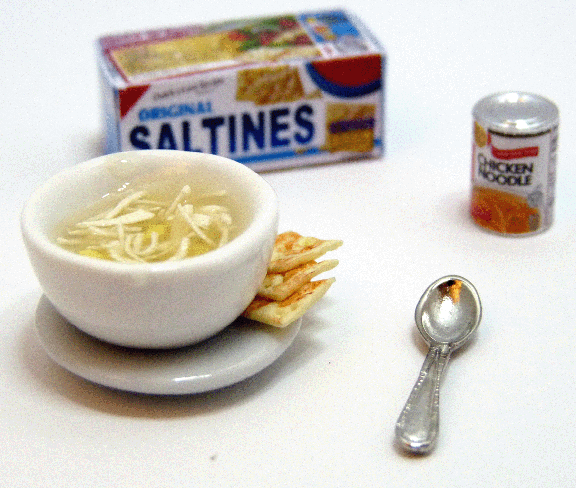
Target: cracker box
268, 92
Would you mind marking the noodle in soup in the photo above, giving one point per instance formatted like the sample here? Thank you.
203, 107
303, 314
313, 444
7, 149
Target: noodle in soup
147, 225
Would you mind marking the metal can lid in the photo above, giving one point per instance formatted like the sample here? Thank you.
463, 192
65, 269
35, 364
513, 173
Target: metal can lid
516, 113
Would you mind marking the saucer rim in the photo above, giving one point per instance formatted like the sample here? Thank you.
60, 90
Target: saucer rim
254, 347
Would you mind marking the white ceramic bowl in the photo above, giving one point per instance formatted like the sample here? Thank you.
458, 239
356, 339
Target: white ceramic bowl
150, 305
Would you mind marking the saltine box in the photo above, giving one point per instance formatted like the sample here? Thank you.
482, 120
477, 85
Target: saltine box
271, 92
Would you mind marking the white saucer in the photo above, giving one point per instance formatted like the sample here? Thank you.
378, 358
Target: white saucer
240, 351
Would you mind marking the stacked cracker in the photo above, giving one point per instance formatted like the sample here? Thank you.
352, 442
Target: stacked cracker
288, 290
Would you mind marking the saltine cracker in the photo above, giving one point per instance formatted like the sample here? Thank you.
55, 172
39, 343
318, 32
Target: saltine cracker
283, 313
279, 286
291, 250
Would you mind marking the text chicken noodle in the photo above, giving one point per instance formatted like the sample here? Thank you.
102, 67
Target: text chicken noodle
514, 163
144, 226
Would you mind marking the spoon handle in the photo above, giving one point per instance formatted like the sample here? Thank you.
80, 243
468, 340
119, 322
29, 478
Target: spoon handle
417, 426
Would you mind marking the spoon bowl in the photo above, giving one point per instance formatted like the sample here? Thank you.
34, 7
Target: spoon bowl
449, 312
447, 315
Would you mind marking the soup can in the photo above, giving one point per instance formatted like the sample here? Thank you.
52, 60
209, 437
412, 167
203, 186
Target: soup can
514, 163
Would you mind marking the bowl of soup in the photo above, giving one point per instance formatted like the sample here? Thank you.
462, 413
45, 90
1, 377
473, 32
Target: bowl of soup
151, 249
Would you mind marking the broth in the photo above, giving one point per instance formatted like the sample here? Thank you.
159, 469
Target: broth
152, 222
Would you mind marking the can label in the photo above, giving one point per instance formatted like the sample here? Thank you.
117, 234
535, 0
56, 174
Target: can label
513, 179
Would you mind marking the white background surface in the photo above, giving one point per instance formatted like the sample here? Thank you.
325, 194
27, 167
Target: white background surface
323, 415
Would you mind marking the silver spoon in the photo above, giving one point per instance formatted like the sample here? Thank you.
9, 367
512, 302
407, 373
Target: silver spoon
447, 315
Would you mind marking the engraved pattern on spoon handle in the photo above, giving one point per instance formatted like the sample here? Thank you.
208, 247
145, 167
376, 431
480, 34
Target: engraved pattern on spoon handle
417, 426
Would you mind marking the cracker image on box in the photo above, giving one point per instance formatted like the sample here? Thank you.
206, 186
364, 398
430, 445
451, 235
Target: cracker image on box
269, 85
270, 92
350, 127
175, 54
